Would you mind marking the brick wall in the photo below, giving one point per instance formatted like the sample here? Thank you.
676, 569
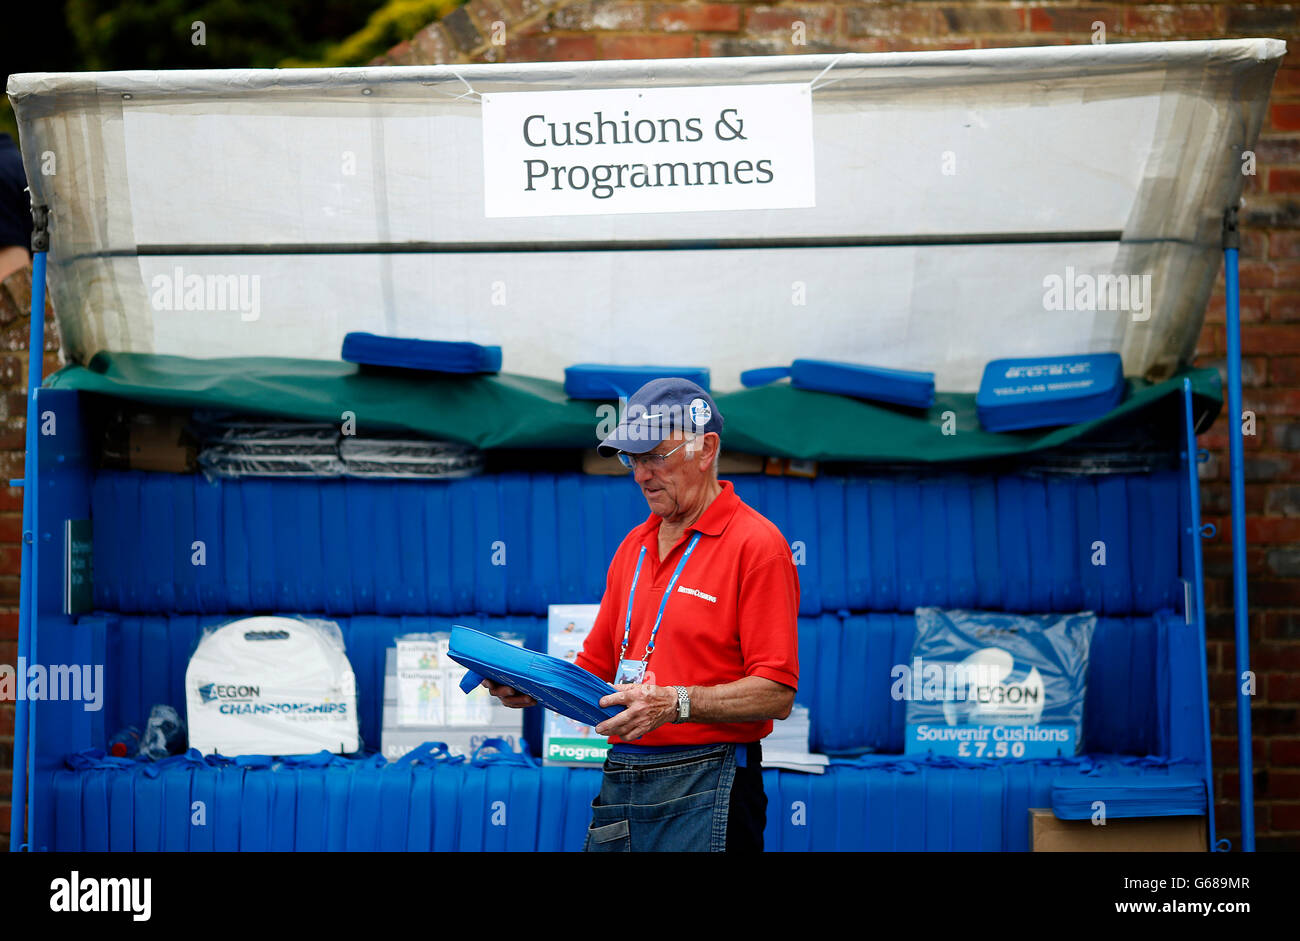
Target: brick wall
1270, 270
606, 29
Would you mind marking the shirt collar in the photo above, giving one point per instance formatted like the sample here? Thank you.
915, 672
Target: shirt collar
712, 521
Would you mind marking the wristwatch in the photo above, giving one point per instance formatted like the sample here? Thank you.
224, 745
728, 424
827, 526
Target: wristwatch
683, 705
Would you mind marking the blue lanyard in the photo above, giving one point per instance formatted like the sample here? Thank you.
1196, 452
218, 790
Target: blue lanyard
627, 623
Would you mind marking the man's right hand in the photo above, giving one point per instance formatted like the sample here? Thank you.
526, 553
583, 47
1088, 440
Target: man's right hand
509, 695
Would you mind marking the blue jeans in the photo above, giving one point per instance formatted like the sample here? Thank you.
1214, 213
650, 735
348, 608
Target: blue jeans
672, 802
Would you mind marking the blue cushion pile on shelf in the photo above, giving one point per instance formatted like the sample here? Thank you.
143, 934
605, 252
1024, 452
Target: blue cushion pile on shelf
1012, 543
845, 678
506, 803
174, 553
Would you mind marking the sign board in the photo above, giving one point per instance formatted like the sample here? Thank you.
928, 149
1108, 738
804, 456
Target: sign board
614, 150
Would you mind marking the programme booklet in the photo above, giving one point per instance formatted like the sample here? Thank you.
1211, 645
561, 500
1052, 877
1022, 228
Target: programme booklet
565, 741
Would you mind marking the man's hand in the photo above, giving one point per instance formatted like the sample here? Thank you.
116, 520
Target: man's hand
509, 695
648, 707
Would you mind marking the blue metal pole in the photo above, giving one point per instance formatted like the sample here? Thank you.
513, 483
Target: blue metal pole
1236, 462
24, 716
1198, 587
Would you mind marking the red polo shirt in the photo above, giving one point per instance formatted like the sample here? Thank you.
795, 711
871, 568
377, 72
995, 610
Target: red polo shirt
733, 613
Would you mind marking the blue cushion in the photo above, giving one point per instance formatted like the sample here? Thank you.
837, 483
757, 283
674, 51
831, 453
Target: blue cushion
554, 683
896, 386
1043, 391
370, 349
1130, 788
601, 381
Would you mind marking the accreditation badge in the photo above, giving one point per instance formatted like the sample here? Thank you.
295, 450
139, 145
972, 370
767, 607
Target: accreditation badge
630, 671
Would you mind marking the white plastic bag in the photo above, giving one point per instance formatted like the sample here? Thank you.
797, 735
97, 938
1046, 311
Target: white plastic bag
272, 686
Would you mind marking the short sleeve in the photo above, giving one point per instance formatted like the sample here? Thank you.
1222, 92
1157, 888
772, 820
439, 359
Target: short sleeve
769, 621
597, 654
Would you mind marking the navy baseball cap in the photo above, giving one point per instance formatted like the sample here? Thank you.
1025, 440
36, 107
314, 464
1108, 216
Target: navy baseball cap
658, 408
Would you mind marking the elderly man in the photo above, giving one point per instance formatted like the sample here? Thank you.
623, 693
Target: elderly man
697, 631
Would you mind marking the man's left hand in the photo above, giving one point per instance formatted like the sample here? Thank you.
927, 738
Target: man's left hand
648, 707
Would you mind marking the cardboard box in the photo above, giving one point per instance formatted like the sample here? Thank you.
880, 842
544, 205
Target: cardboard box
1119, 835
593, 463
149, 441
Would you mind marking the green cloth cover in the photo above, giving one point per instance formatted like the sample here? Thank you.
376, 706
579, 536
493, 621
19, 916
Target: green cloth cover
508, 411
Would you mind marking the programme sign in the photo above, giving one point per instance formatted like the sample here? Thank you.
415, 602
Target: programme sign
592, 152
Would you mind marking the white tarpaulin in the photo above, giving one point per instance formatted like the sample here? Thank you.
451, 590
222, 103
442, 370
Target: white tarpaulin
968, 205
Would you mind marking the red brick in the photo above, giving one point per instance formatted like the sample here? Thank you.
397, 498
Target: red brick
1270, 338
1222, 686
9, 625
696, 17
1284, 751
1284, 244
1224, 750
987, 19
1272, 656
1287, 84
1284, 784
1260, 19
9, 589
6, 711
872, 44
11, 498
1284, 308
1173, 22
1274, 149
540, 47
1075, 19
487, 12
1272, 531
911, 20
1256, 274
1284, 817
1282, 688
923, 45
818, 20
591, 16
1280, 625
1284, 116
1254, 245
1283, 180
11, 526
712, 46
647, 46
433, 46
1250, 307
1210, 342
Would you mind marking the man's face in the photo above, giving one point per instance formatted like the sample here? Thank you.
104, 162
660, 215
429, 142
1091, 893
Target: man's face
672, 488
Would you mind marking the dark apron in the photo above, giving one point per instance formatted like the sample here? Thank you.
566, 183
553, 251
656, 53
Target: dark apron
676, 801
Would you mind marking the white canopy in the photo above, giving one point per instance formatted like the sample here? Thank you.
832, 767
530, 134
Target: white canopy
954, 191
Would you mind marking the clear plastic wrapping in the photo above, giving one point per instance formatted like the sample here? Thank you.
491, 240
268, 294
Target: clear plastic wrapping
985, 684
234, 447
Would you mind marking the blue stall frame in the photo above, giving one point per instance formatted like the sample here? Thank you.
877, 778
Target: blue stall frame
63, 721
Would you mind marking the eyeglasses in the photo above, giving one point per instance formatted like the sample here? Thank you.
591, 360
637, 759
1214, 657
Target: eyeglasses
652, 460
